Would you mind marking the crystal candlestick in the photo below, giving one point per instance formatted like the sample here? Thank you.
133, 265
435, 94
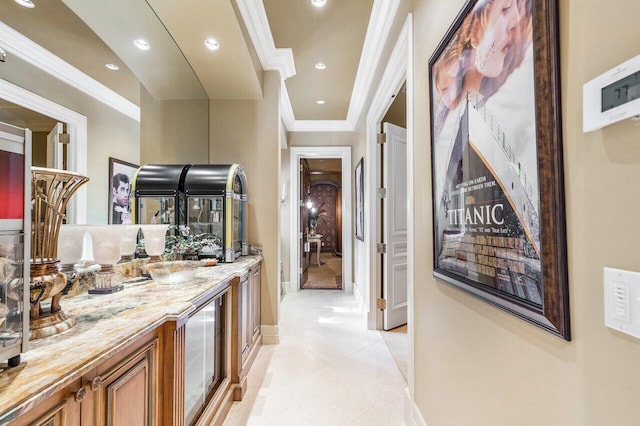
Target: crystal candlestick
154, 238
105, 240
70, 246
128, 242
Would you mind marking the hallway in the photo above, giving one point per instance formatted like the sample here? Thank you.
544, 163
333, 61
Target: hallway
327, 370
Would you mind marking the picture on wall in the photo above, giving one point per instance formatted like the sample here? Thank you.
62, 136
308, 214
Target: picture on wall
360, 199
497, 178
120, 180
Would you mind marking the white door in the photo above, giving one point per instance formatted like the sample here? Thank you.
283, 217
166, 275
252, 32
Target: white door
394, 278
54, 148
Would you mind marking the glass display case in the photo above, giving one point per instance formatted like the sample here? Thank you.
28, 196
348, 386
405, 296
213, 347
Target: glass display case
15, 214
208, 199
216, 198
158, 193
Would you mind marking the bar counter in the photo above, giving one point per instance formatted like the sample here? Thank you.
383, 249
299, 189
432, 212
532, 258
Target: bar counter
105, 325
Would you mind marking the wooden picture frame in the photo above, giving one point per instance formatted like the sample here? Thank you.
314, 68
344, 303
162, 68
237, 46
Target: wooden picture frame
121, 176
359, 195
496, 149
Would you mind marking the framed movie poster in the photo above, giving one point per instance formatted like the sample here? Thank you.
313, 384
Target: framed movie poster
120, 180
360, 199
497, 178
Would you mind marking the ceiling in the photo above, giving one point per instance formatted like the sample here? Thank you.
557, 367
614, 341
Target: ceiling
286, 35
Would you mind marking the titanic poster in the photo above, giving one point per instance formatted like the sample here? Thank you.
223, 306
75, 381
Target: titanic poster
484, 153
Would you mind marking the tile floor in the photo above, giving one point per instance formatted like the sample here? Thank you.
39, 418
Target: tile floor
327, 370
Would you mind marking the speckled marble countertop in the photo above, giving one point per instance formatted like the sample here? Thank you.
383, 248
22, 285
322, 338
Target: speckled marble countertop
105, 324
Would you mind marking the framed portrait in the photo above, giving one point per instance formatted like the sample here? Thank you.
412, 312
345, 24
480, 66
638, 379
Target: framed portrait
121, 176
360, 199
496, 149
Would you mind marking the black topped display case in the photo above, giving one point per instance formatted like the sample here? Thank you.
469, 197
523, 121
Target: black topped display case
208, 199
158, 193
216, 199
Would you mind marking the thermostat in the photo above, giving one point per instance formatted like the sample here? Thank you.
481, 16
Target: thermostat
612, 96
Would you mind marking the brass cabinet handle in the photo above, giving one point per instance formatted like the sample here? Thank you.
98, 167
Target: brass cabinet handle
79, 395
96, 383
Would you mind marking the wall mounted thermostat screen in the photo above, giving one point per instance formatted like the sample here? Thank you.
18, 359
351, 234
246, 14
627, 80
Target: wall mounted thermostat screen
621, 92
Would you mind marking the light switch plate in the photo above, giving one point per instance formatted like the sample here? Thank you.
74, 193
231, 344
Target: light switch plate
622, 300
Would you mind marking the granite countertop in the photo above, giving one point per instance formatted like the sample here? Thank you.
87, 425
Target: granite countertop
105, 325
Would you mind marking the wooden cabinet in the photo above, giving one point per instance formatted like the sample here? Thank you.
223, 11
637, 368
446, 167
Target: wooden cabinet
125, 391
187, 371
246, 338
254, 280
60, 409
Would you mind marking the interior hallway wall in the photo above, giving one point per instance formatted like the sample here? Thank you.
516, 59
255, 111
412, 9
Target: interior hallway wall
247, 132
285, 214
173, 132
477, 365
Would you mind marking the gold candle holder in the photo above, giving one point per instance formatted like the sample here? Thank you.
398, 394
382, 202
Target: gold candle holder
51, 191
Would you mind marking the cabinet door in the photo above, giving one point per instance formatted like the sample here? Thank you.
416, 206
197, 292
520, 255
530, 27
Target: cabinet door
127, 393
61, 409
255, 290
245, 327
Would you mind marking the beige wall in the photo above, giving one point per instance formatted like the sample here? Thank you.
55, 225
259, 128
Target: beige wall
247, 132
476, 365
285, 214
174, 132
109, 133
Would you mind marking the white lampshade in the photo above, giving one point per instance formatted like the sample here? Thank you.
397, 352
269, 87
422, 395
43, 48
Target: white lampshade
129, 239
106, 243
154, 236
71, 243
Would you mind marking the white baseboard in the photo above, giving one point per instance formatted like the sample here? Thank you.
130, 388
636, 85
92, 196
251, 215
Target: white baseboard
358, 295
348, 287
270, 334
412, 414
287, 286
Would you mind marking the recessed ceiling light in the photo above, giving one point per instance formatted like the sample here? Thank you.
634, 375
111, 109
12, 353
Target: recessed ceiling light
212, 44
320, 102
112, 67
319, 3
320, 66
142, 44
26, 3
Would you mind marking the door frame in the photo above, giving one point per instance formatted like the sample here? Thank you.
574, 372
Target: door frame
399, 70
296, 154
77, 128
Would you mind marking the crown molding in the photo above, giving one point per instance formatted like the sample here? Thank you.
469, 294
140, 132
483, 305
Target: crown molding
380, 22
321, 126
271, 58
24, 48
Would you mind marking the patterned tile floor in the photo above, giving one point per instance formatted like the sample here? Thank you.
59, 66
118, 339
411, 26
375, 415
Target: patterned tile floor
327, 370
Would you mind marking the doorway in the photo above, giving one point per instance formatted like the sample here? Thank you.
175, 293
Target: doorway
396, 82
321, 220
302, 249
